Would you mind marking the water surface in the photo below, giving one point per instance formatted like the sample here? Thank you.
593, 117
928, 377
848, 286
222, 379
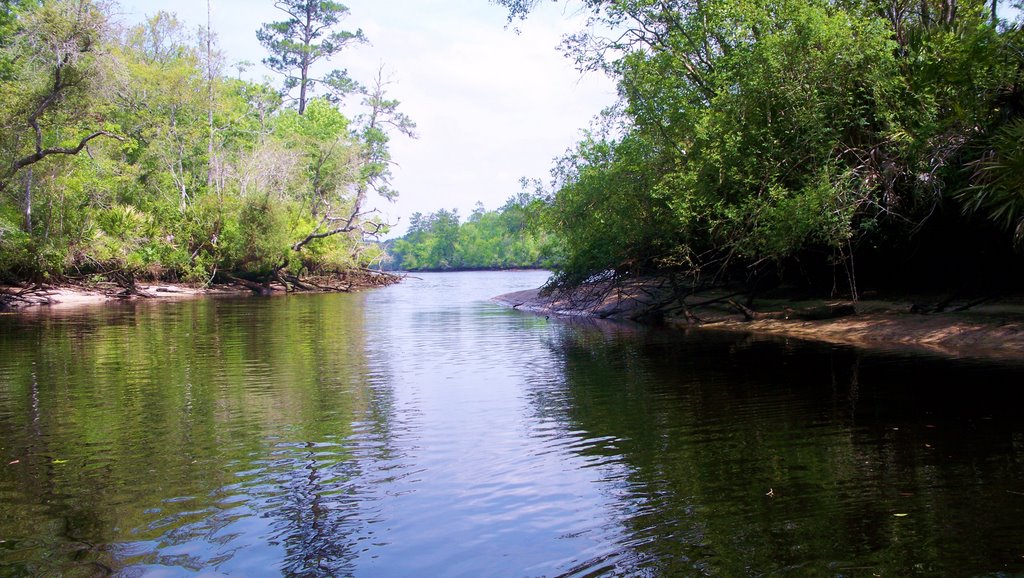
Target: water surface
421, 430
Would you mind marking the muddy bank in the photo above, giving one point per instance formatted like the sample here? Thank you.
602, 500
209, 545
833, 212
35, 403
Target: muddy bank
955, 327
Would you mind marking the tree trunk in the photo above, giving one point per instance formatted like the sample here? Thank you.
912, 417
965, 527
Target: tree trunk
304, 69
302, 90
28, 201
209, 89
258, 288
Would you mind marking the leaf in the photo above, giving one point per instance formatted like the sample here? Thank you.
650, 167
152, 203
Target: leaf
901, 515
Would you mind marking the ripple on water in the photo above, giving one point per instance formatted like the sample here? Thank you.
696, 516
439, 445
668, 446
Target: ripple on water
420, 430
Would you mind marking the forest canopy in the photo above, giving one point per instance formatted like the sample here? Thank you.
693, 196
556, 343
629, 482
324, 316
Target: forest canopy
130, 152
829, 143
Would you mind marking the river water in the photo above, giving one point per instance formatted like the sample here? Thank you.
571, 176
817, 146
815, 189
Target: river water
421, 430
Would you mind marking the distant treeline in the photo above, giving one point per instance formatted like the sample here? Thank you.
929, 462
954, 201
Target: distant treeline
501, 239
831, 144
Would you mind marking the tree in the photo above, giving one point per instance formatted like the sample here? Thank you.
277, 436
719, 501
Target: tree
754, 140
373, 134
305, 38
166, 104
201, 174
375, 129
60, 47
56, 66
9, 12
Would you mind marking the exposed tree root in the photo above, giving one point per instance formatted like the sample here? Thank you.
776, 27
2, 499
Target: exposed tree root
341, 282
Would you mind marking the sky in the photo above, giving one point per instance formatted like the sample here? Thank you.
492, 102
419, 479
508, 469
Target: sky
491, 105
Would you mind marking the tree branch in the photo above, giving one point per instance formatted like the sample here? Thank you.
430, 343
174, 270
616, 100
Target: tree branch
351, 223
42, 153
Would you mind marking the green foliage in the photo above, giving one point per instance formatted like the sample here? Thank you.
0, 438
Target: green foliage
188, 173
382, 114
264, 242
604, 211
998, 189
15, 245
500, 239
789, 134
9, 27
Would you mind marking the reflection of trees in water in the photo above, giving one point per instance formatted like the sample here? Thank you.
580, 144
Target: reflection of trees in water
162, 427
312, 511
319, 496
323, 491
45, 524
706, 423
316, 483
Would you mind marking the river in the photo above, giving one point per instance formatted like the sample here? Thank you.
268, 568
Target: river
421, 430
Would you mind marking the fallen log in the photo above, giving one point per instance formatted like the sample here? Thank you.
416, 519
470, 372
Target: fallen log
257, 288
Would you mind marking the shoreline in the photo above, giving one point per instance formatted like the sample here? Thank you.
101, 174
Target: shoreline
14, 299
50, 297
21, 298
993, 330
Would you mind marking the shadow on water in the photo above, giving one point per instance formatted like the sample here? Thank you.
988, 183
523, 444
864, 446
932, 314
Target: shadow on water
761, 456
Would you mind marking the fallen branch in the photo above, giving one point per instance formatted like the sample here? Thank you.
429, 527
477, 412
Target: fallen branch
748, 313
715, 300
258, 288
971, 304
286, 280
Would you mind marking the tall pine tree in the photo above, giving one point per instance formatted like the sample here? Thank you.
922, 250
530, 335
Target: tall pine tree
306, 37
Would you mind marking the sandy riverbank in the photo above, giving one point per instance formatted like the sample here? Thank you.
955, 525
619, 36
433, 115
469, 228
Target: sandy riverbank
63, 296
994, 329
29, 298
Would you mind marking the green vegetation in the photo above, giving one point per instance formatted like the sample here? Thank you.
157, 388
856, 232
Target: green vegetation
502, 239
824, 143
130, 154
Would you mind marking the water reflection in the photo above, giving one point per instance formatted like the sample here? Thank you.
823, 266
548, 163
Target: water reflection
216, 433
755, 456
420, 430
492, 491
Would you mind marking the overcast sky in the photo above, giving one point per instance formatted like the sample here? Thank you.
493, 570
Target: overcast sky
491, 105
